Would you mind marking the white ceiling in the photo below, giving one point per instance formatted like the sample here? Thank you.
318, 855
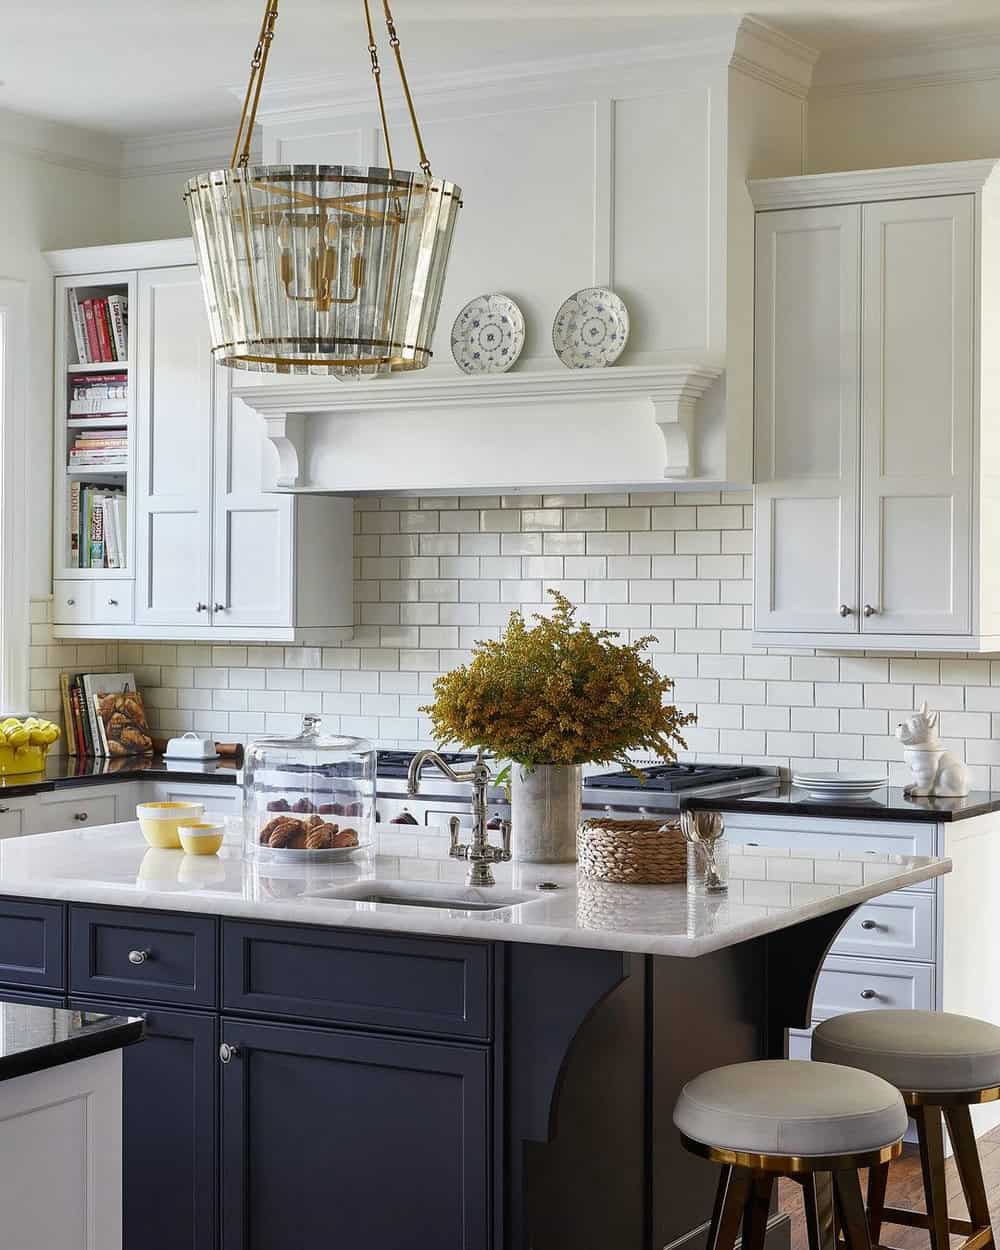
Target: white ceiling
135, 67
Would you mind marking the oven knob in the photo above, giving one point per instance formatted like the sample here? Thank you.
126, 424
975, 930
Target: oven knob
494, 823
404, 818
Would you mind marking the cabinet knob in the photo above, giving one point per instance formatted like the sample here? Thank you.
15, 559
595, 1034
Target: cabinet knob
845, 610
138, 957
228, 1052
201, 607
71, 602
80, 816
869, 924
4, 811
868, 994
218, 607
869, 610
112, 603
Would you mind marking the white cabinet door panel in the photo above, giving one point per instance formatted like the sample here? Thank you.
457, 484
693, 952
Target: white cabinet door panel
806, 419
252, 550
174, 446
916, 400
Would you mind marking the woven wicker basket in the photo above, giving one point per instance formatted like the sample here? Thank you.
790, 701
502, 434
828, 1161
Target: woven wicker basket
632, 852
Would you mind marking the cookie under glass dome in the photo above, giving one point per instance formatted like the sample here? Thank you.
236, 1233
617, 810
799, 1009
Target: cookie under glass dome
308, 798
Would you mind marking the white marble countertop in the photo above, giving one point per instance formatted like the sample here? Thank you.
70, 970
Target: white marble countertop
770, 890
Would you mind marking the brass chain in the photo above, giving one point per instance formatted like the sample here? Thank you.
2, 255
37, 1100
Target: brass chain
258, 65
377, 75
425, 164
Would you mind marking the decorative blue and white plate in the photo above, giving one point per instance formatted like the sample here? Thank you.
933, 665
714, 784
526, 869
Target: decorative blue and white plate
488, 334
590, 329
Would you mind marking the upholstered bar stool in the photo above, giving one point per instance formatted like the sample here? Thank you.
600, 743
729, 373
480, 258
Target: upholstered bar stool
813, 1122
940, 1063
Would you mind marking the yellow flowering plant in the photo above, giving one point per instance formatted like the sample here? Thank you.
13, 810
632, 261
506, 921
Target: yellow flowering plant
558, 692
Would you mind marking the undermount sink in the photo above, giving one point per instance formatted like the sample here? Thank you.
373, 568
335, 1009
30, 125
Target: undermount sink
427, 894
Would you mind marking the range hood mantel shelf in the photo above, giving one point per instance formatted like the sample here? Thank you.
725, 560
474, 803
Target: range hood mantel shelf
295, 413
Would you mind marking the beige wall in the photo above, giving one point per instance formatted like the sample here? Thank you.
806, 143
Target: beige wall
915, 126
151, 208
46, 203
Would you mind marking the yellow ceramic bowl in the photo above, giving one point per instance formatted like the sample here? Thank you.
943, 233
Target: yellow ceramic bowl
159, 821
201, 837
24, 759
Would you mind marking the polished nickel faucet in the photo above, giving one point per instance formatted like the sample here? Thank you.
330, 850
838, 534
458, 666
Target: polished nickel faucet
479, 853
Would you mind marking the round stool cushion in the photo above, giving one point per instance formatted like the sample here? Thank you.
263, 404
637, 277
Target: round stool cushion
915, 1050
789, 1107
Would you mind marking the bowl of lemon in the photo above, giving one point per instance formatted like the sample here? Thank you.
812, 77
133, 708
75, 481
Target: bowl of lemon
24, 744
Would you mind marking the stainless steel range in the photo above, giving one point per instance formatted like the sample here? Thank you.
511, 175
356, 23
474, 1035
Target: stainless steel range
616, 793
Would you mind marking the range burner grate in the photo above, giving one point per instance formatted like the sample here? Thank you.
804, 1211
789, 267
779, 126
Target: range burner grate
673, 777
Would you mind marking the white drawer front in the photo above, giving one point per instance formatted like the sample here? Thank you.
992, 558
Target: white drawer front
223, 800
72, 602
77, 812
897, 926
850, 984
112, 603
859, 841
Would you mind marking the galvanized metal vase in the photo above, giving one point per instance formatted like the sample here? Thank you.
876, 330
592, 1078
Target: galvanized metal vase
545, 812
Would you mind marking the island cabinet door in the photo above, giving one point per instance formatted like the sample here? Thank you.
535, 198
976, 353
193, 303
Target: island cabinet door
169, 1155
349, 1140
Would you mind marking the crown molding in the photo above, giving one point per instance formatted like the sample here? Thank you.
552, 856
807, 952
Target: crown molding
769, 55
183, 152
114, 257
69, 147
927, 62
311, 97
855, 186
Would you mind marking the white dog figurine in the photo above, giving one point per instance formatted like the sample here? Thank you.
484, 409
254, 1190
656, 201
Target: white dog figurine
935, 771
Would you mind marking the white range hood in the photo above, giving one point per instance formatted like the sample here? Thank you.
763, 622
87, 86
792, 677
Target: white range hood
502, 432
623, 169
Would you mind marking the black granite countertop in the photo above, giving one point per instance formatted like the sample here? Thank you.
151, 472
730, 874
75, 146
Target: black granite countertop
65, 771
33, 1037
887, 803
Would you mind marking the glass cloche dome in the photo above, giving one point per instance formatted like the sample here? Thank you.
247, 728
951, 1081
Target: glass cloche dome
310, 797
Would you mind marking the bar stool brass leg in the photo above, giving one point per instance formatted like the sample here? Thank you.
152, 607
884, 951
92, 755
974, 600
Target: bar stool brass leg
756, 1211
730, 1199
931, 1140
878, 1178
970, 1170
817, 1198
851, 1210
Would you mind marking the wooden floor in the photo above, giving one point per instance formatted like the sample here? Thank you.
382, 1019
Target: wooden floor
906, 1190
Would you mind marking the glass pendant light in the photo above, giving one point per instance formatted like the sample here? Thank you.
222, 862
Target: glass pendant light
322, 269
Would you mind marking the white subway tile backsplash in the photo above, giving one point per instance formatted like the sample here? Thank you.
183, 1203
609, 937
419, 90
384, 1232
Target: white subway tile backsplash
436, 575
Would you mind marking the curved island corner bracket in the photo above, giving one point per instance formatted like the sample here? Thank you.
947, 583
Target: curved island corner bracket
795, 957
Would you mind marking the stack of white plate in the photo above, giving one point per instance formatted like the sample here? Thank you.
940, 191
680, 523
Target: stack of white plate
831, 785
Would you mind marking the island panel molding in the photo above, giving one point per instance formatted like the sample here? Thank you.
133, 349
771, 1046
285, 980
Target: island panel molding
300, 419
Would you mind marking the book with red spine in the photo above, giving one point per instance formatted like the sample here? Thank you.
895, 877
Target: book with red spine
93, 339
103, 329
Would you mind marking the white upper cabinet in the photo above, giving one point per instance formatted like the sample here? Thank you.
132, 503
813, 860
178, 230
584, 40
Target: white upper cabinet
875, 425
173, 482
806, 403
214, 555
916, 406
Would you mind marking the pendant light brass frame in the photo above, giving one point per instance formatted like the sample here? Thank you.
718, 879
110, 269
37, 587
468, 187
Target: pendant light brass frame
360, 253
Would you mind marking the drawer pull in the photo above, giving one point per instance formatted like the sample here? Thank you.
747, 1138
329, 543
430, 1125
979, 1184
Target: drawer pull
139, 957
4, 811
228, 1052
81, 816
869, 924
868, 994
